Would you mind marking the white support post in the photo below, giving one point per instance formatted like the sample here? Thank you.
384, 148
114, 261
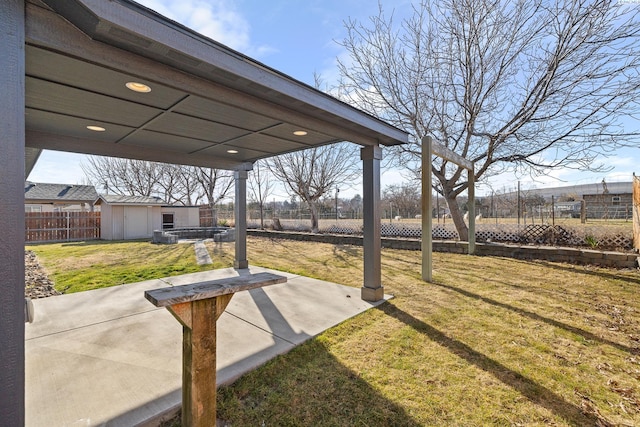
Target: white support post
471, 191
372, 289
12, 176
427, 220
240, 209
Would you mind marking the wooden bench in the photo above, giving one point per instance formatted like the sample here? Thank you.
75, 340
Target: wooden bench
197, 307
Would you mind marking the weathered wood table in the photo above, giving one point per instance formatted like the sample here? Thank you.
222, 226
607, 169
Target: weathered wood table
197, 307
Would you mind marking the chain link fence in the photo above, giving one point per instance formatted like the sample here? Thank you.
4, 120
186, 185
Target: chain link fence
606, 229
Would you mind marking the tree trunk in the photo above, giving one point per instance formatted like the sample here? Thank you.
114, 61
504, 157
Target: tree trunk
458, 218
314, 217
261, 216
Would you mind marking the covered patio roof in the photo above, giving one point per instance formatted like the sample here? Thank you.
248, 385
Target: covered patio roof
208, 105
65, 65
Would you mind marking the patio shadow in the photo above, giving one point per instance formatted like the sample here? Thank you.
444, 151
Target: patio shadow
585, 334
533, 391
303, 388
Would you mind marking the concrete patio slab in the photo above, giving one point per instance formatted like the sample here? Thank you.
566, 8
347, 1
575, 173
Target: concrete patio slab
110, 358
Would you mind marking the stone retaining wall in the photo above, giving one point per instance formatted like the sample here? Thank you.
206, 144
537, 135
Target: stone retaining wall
526, 252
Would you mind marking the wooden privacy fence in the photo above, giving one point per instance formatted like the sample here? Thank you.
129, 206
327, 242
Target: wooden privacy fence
636, 212
61, 226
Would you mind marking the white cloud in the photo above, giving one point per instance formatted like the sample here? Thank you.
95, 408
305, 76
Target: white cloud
219, 20
620, 161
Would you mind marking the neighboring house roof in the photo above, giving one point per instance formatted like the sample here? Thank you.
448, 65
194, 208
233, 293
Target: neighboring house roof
117, 199
37, 192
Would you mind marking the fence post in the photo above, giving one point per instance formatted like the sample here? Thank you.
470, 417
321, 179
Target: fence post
636, 212
519, 207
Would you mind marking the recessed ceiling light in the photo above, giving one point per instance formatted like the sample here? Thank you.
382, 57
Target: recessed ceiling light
138, 87
300, 132
96, 128
232, 151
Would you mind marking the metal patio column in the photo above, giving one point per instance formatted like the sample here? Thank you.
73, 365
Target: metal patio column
372, 289
240, 210
12, 169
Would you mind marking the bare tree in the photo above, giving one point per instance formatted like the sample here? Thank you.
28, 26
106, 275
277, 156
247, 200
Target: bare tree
210, 187
311, 173
403, 199
260, 186
521, 86
122, 176
186, 185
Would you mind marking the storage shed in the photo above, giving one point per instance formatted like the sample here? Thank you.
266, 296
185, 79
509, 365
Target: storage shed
129, 217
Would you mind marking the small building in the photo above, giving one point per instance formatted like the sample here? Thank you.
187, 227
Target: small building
136, 217
129, 217
567, 209
43, 197
609, 205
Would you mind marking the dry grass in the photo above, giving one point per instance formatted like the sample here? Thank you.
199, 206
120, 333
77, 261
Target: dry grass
491, 342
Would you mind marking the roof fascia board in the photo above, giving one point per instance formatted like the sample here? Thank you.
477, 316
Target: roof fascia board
58, 142
48, 30
188, 42
30, 159
143, 22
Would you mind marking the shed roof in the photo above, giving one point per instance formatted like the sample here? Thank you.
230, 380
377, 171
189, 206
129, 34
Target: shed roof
208, 105
117, 199
37, 192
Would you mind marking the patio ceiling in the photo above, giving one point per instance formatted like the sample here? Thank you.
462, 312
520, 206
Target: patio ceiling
208, 105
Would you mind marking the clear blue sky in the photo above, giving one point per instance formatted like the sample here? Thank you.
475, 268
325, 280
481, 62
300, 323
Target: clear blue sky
299, 38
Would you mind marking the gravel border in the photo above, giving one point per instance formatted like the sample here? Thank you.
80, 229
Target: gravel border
36, 281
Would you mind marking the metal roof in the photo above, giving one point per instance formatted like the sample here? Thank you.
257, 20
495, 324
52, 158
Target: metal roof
117, 199
208, 105
36, 192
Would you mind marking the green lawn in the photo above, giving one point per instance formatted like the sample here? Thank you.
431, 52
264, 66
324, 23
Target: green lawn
82, 266
492, 341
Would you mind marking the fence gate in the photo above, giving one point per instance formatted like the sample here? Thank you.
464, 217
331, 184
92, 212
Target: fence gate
636, 212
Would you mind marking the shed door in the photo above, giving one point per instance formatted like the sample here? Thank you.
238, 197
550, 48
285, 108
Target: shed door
136, 222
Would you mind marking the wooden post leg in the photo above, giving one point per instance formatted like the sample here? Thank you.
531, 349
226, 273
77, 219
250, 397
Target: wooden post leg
199, 366
198, 320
